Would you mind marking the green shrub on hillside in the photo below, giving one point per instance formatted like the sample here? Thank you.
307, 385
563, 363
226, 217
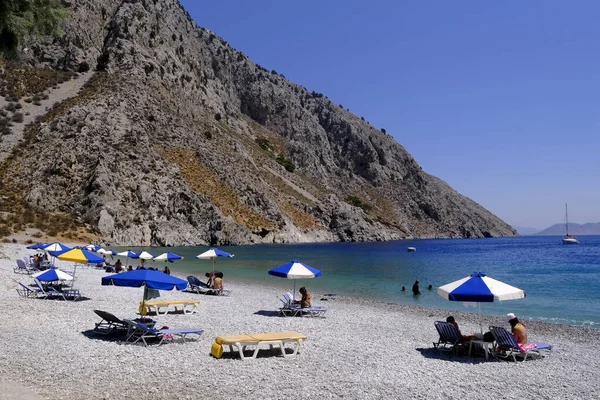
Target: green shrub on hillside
265, 144
287, 163
357, 202
21, 17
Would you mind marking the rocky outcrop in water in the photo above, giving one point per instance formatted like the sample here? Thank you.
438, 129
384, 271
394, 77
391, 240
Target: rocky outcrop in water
179, 139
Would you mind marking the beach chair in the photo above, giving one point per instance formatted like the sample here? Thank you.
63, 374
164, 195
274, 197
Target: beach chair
145, 334
26, 291
242, 342
291, 309
507, 346
23, 268
162, 307
450, 339
196, 285
109, 323
52, 293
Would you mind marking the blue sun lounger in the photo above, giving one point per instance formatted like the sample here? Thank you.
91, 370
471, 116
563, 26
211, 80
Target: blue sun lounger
196, 285
450, 339
507, 346
26, 291
143, 333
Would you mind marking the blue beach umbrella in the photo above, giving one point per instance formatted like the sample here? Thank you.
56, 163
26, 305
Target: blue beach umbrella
213, 253
37, 246
51, 275
295, 270
147, 278
479, 288
170, 257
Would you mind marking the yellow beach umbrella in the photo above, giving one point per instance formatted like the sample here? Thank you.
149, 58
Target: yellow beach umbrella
79, 256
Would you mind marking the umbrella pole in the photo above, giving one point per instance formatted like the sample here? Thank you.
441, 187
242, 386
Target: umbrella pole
294, 292
480, 321
143, 302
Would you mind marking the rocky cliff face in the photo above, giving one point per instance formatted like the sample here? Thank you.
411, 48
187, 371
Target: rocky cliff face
178, 139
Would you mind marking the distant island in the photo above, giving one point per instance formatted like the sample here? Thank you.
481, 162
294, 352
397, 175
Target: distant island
590, 228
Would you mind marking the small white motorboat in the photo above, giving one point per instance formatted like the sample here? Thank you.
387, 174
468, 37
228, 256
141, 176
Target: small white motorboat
411, 249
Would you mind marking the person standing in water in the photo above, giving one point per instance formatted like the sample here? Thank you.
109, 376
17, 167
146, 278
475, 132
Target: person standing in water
415, 288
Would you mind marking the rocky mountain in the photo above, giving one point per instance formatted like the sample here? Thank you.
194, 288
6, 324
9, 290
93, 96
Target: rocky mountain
179, 139
590, 228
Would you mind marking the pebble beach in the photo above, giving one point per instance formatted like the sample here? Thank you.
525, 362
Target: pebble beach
361, 349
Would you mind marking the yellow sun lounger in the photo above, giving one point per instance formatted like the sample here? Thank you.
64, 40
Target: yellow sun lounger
241, 342
161, 307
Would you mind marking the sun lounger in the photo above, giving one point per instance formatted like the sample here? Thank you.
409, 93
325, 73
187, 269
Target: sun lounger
145, 334
161, 307
450, 339
51, 292
241, 342
23, 268
109, 323
26, 291
291, 309
507, 346
196, 285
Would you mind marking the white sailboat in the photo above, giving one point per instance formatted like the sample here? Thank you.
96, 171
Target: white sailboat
568, 239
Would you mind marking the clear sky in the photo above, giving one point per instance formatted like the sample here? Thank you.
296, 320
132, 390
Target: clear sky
501, 99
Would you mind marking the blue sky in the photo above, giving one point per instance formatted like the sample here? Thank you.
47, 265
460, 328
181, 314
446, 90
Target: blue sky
499, 99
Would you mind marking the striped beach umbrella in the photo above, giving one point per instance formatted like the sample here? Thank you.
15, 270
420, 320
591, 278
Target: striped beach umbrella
168, 257
295, 270
213, 254
479, 288
51, 275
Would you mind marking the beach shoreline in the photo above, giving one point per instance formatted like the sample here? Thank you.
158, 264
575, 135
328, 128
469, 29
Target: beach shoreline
361, 349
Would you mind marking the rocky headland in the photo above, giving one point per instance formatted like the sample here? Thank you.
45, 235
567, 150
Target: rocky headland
176, 138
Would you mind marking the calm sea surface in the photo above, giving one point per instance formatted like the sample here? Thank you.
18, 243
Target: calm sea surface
562, 282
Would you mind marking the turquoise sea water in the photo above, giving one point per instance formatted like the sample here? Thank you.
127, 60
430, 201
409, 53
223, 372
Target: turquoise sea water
562, 282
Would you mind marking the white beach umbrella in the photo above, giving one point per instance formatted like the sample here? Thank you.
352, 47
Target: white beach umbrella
106, 252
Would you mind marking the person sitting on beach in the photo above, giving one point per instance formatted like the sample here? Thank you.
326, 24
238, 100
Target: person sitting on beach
465, 338
518, 329
118, 266
305, 301
211, 275
217, 281
167, 270
415, 288
130, 268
